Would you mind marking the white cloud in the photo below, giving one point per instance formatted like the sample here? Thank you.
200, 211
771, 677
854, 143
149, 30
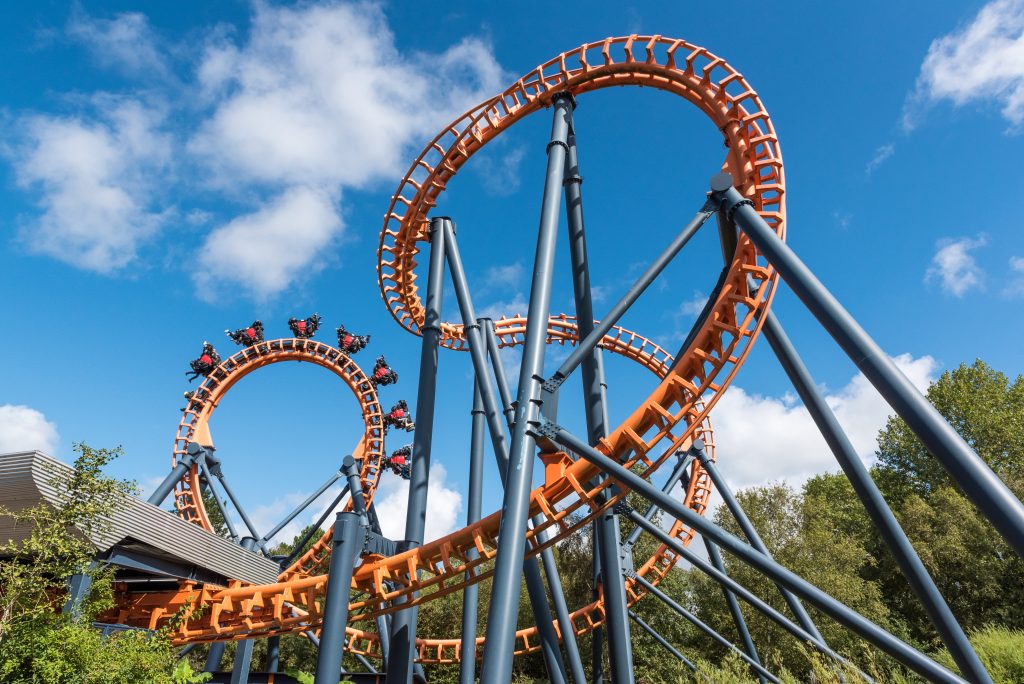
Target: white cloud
881, 154
265, 516
125, 43
26, 429
1015, 284
444, 505
499, 170
694, 305
983, 61
320, 94
684, 317
954, 266
311, 100
502, 277
495, 310
267, 250
764, 438
94, 178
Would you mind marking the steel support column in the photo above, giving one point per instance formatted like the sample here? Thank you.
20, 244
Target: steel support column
736, 588
606, 527
881, 515
704, 627
504, 604
193, 451
857, 623
662, 640
214, 657
507, 405
982, 486
755, 540
531, 571
467, 660
734, 606
273, 653
301, 507
403, 623
589, 343
312, 529
243, 649
346, 546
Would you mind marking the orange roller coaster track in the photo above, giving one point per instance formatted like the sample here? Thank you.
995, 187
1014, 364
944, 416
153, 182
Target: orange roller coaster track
675, 413
584, 479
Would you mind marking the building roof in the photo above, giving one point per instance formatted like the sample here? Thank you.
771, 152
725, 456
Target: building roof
26, 479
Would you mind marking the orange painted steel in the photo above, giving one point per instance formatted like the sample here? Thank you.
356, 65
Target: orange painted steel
673, 414
153, 609
195, 420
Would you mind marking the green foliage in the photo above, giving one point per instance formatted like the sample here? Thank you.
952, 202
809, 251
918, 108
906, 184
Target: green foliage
1001, 651
38, 643
214, 513
984, 407
55, 545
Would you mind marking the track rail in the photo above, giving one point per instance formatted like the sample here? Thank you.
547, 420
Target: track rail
195, 419
675, 413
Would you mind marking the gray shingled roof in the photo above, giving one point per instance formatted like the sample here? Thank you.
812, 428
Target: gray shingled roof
25, 480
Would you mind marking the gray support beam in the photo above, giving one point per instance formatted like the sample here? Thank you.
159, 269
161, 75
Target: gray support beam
905, 653
508, 565
467, 662
214, 465
982, 486
214, 657
704, 627
183, 465
682, 465
755, 539
384, 634
499, 371
662, 640
355, 485
403, 623
297, 551
243, 661
273, 653
734, 606
565, 625
79, 587
531, 572
606, 526
205, 470
737, 589
590, 342
597, 641
347, 544
301, 507
243, 649
881, 515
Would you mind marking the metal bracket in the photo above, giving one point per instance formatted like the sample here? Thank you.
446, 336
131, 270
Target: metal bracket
378, 544
553, 383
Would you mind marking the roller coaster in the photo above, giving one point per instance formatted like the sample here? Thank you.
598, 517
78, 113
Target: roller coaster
355, 591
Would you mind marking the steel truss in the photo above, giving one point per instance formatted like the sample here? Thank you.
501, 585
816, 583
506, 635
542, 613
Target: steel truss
339, 582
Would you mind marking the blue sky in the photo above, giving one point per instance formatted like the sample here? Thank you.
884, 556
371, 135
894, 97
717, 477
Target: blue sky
169, 171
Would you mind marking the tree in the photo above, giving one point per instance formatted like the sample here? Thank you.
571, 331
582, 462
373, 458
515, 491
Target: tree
984, 407
39, 642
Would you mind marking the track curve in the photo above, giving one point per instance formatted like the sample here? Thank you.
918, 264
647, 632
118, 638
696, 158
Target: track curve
673, 414
196, 416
